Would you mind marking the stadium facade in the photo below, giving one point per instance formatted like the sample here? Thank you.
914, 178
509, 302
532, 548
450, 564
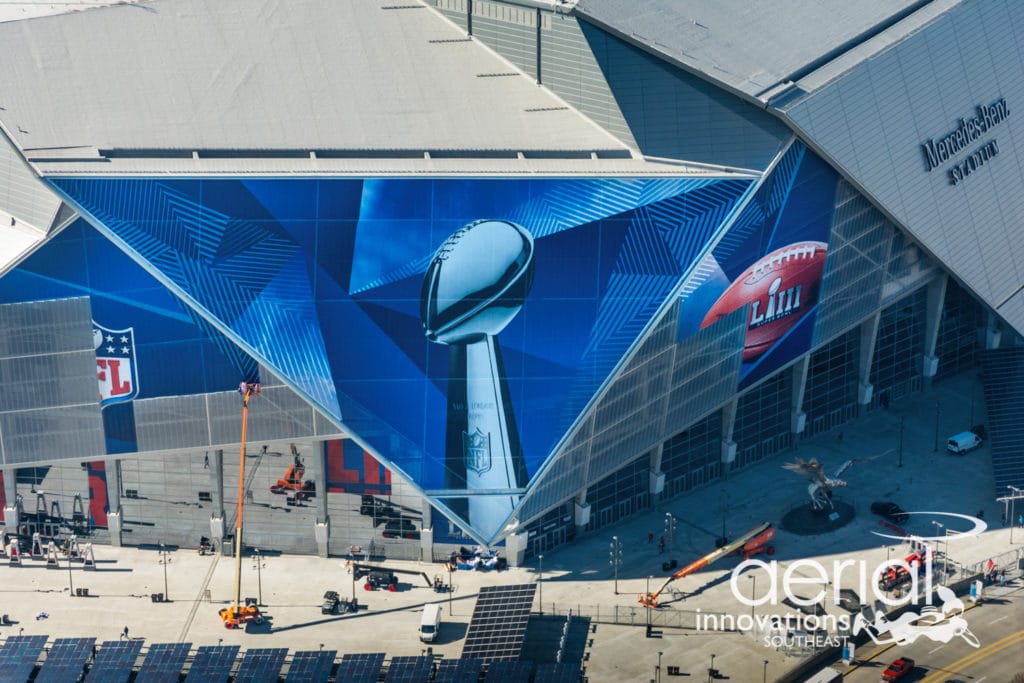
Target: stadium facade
507, 271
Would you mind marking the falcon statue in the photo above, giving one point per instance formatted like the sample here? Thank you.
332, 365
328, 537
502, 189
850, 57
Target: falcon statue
820, 488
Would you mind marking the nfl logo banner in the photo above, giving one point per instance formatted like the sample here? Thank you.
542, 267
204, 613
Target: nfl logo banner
115, 364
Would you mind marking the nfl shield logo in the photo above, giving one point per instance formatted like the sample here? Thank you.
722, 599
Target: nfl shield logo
477, 448
115, 364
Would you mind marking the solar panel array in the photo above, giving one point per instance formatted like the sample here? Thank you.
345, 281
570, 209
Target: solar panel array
405, 669
66, 660
311, 666
557, 672
498, 626
212, 663
164, 662
261, 665
360, 668
459, 671
504, 671
114, 661
18, 656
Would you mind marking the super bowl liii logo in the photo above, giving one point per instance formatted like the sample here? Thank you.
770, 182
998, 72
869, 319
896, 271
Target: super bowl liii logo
939, 151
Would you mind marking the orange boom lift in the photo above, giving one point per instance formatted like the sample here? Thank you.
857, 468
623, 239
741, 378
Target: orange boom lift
236, 615
753, 542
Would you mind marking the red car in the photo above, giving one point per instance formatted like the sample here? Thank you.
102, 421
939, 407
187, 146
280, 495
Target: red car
898, 669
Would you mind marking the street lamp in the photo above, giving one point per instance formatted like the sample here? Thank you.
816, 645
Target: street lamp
937, 527
753, 593
725, 506
259, 575
648, 606
540, 582
888, 553
615, 553
657, 670
670, 528
764, 675
938, 410
712, 667
165, 559
449, 588
71, 585
900, 464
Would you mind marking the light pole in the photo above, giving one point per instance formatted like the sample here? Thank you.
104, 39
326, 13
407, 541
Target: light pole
753, 593
540, 582
900, 464
937, 527
648, 606
657, 670
888, 553
615, 553
450, 590
725, 506
712, 667
165, 559
71, 585
259, 575
938, 410
670, 528
764, 675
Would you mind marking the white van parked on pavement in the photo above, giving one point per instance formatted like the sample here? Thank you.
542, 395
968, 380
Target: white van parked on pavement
430, 623
959, 444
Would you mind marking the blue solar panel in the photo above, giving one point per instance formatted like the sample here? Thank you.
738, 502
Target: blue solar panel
164, 662
557, 672
212, 663
459, 671
114, 661
360, 668
410, 669
311, 666
66, 660
505, 671
261, 665
19, 654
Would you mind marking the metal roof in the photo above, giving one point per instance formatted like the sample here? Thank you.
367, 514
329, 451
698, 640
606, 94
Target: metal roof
272, 75
750, 46
16, 10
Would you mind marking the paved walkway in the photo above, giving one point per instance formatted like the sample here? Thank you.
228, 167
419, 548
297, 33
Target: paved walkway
576, 577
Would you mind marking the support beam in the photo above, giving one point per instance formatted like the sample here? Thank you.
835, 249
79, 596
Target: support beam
990, 335
657, 477
217, 523
427, 533
318, 461
798, 418
728, 427
581, 510
868, 340
515, 548
933, 317
114, 514
11, 495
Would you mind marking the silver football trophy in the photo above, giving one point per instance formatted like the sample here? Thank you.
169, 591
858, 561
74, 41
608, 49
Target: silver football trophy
475, 284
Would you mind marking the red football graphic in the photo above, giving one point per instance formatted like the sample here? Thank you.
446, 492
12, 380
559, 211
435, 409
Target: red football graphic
780, 288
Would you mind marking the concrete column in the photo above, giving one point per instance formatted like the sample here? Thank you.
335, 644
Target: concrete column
990, 335
728, 427
581, 511
933, 316
112, 469
798, 418
217, 523
868, 340
657, 477
323, 522
427, 533
515, 548
11, 496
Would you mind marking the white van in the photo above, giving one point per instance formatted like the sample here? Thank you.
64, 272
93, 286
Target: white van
959, 444
430, 623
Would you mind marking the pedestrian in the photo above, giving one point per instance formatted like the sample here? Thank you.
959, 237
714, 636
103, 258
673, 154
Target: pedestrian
650, 537
124, 634
1020, 521
661, 545
1002, 577
206, 461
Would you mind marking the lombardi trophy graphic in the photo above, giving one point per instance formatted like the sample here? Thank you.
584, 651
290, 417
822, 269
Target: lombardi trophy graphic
475, 284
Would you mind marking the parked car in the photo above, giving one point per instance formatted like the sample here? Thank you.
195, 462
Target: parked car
891, 511
401, 528
898, 669
330, 603
381, 579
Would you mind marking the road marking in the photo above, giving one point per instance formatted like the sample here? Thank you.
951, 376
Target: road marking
999, 619
973, 658
981, 679
937, 648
